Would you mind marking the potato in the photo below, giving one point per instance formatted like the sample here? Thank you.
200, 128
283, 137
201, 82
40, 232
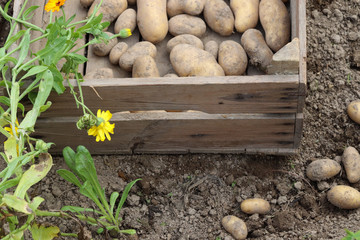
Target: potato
213, 48
86, 3
191, 7
255, 46
353, 111
152, 20
100, 73
116, 52
144, 67
188, 60
103, 49
126, 60
187, 24
246, 14
232, 58
110, 9
275, 20
184, 38
219, 17
127, 19
255, 205
344, 197
351, 161
171, 75
322, 169
235, 226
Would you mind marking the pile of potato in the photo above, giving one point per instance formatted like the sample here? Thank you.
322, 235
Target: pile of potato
342, 196
187, 21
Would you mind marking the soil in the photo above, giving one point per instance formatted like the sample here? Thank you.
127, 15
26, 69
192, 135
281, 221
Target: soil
185, 197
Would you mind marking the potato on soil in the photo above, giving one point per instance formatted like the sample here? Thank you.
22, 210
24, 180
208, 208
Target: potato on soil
351, 161
344, 197
152, 20
235, 226
187, 24
255, 46
353, 110
103, 49
255, 205
126, 60
127, 19
246, 14
144, 67
232, 58
191, 7
110, 9
219, 17
275, 20
322, 169
101, 73
86, 3
188, 60
213, 48
116, 52
186, 39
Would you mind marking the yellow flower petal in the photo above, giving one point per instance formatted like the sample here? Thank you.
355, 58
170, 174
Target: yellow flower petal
103, 130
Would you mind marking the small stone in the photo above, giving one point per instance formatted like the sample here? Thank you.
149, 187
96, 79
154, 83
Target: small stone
298, 185
133, 200
273, 201
338, 14
254, 217
353, 36
354, 18
191, 211
322, 186
326, 11
282, 200
315, 14
230, 179
56, 191
336, 38
212, 212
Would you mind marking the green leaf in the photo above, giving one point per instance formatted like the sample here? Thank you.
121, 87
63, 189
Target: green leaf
34, 70
14, 38
45, 87
35, 203
124, 196
84, 164
69, 176
113, 198
6, 101
19, 204
79, 210
9, 183
26, 14
24, 50
45, 107
40, 232
128, 231
58, 79
11, 148
14, 100
34, 174
87, 190
69, 157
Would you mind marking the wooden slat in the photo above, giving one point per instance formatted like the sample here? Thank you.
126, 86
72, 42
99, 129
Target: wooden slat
246, 94
176, 132
299, 121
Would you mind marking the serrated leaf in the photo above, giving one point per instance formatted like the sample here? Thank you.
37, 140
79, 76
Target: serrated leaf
34, 174
17, 203
40, 232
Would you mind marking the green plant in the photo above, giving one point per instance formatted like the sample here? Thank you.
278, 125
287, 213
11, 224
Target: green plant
29, 74
351, 235
233, 184
83, 175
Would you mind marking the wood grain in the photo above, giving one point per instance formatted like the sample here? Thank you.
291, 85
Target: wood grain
176, 132
245, 94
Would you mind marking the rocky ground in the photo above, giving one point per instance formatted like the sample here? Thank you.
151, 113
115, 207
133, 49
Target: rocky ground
186, 196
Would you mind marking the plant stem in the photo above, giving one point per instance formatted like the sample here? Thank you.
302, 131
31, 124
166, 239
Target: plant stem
69, 234
4, 132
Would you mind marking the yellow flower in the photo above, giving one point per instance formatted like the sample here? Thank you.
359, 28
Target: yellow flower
9, 129
103, 128
54, 5
125, 32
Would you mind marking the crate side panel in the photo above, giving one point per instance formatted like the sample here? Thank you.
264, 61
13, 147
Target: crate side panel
250, 94
176, 132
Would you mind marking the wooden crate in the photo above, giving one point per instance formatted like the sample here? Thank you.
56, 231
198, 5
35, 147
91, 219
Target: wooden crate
251, 114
